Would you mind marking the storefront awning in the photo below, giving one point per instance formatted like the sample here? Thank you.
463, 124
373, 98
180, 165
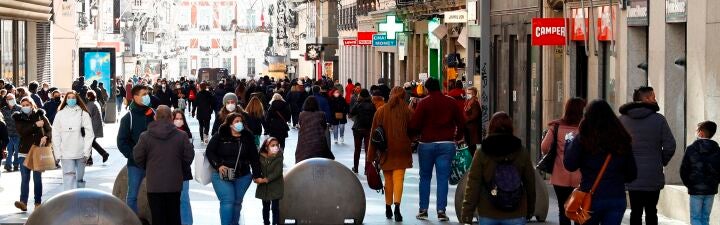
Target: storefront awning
29, 10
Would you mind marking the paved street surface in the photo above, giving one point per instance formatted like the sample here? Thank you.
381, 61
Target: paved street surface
205, 204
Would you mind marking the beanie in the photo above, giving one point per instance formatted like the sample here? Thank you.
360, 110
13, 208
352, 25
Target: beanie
228, 97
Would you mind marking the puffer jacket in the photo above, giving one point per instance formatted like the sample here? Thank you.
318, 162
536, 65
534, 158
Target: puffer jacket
653, 144
363, 113
7, 115
68, 142
700, 169
272, 168
29, 133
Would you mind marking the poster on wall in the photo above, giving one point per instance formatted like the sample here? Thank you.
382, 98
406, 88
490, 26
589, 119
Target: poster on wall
313, 52
579, 24
98, 64
329, 70
605, 23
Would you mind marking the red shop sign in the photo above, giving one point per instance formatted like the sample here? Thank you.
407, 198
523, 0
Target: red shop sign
579, 30
349, 42
365, 38
548, 31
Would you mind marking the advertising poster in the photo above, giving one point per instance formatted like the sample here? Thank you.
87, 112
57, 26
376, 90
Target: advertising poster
98, 64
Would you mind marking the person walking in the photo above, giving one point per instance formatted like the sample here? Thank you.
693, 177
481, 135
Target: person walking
11, 107
229, 105
277, 118
74, 136
363, 113
700, 173
270, 188
312, 134
436, 118
234, 156
204, 107
563, 181
33, 89
186, 217
296, 98
339, 117
349, 89
653, 145
163, 152
33, 128
119, 95
52, 105
394, 117
602, 137
93, 108
255, 118
132, 124
473, 119
501, 162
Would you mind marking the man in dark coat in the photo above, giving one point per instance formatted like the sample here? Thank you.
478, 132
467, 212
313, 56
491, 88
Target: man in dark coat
653, 145
164, 94
164, 151
51, 106
33, 88
204, 107
384, 89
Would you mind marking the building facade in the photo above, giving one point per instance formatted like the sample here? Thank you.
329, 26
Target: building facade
25, 41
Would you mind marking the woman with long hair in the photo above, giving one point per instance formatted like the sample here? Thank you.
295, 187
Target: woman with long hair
394, 118
93, 108
72, 145
186, 217
34, 129
602, 137
563, 181
231, 145
338, 119
311, 137
277, 118
501, 152
255, 118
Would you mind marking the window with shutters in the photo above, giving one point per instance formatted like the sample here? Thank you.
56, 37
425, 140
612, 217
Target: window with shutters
43, 52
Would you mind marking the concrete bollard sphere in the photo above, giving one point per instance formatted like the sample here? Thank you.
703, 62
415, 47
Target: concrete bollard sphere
83, 206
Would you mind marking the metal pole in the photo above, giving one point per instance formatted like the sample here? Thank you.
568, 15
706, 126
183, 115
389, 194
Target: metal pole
484, 13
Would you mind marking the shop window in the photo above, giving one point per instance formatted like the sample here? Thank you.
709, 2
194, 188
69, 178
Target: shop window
6, 53
204, 63
22, 53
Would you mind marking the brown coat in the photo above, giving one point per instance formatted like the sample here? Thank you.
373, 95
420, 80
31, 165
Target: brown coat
378, 101
311, 137
473, 131
395, 122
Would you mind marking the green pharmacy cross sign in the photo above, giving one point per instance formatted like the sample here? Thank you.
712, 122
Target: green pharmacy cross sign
391, 27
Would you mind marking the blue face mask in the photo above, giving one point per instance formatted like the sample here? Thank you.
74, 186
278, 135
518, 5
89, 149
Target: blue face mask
239, 126
72, 102
146, 100
26, 110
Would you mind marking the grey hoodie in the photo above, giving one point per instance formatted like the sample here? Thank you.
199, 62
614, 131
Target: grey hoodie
653, 144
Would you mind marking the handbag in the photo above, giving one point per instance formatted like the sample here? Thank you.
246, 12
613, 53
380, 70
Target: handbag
339, 115
230, 175
547, 162
82, 128
460, 165
577, 207
203, 169
372, 171
40, 158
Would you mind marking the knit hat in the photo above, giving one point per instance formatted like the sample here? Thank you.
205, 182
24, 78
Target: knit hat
228, 97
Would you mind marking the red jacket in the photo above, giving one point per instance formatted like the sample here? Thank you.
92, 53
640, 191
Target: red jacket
349, 88
128, 92
438, 118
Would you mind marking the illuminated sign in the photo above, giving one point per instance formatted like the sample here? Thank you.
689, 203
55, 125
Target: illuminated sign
391, 27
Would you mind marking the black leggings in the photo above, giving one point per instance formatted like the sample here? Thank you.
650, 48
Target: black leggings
275, 211
204, 127
97, 148
644, 201
562, 194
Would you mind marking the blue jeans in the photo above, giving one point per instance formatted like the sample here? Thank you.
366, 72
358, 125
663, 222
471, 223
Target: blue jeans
438, 155
135, 177
73, 173
231, 195
607, 211
25, 183
185, 210
338, 129
12, 151
700, 207
490, 221
118, 102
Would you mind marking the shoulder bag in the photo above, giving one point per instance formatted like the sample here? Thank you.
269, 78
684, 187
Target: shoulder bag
230, 175
547, 163
577, 207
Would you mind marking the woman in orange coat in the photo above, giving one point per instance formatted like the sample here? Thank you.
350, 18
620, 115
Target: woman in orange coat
394, 118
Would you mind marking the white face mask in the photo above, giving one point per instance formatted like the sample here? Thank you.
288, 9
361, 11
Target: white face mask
178, 123
230, 107
274, 150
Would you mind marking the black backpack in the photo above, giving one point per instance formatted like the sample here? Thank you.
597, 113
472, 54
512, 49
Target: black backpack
378, 139
505, 190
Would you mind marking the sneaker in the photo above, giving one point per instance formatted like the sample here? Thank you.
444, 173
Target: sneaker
342, 140
15, 169
21, 205
442, 216
422, 215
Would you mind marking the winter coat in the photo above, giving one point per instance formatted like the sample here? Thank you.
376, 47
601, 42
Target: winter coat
394, 121
97, 121
69, 142
324, 106
296, 100
349, 88
496, 149
620, 171
362, 114
7, 115
560, 176
51, 108
311, 137
272, 168
36, 98
132, 125
29, 133
277, 117
163, 151
165, 96
700, 169
220, 119
653, 144
218, 93
204, 105
338, 105
378, 101
223, 150
128, 92
437, 118
473, 128
4, 140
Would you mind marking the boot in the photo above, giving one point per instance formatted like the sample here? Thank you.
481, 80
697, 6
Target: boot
398, 217
388, 212
105, 157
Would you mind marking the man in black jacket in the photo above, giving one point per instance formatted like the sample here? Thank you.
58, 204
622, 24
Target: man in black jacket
700, 172
204, 106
